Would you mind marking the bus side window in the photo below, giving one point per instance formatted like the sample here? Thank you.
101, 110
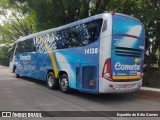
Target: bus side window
31, 46
90, 32
34, 45
40, 47
19, 48
77, 36
58, 40
72, 37
55, 42
26, 46
94, 30
11, 51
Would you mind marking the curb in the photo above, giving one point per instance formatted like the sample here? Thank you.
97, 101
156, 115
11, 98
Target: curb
150, 89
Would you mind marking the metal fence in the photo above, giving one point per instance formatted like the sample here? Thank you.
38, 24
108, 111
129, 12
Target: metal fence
151, 78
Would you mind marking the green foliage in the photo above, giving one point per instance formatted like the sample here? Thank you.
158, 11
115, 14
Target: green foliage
15, 24
48, 14
4, 51
15, 19
52, 13
148, 12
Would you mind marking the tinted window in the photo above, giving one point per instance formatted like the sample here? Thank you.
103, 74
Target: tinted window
30, 45
19, 47
11, 51
39, 44
79, 35
26, 46
76, 36
34, 46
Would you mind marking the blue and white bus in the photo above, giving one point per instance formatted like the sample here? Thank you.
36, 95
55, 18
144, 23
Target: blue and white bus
100, 54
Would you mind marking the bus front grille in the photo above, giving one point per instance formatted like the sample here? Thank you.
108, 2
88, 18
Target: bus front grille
128, 52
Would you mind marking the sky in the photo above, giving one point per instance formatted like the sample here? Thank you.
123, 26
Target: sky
2, 18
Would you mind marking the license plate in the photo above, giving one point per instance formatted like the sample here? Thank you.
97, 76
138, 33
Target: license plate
127, 86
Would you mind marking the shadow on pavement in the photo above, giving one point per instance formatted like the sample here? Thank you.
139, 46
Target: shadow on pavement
103, 98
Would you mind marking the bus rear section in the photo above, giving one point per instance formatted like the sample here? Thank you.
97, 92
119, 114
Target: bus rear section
122, 71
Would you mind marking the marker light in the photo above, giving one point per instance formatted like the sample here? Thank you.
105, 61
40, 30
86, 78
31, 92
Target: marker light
113, 13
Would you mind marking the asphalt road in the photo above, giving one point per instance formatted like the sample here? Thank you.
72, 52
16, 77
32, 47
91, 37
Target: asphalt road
24, 94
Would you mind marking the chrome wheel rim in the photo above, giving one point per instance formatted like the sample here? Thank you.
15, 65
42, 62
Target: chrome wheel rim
64, 84
50, 80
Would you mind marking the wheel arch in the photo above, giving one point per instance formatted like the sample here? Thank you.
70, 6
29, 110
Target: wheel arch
60, 73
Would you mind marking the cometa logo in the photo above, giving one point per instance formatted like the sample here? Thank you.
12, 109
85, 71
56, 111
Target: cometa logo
137, 60
120, 66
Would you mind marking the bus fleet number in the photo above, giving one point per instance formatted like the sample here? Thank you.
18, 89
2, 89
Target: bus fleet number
91, 51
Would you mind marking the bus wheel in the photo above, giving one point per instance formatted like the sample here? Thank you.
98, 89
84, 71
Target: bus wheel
14, 68
16, 75
64, 84
52, 83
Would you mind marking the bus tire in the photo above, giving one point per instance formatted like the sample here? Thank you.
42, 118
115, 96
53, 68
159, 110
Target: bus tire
16, 75
14, 69
52, 82
64, 84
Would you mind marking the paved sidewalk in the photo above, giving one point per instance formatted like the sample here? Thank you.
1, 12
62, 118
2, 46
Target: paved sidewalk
4, 67
150, 89
147, 93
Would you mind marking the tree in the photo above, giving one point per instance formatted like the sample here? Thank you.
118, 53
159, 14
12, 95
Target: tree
148, 12
12, 15
48, 14
14, 24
